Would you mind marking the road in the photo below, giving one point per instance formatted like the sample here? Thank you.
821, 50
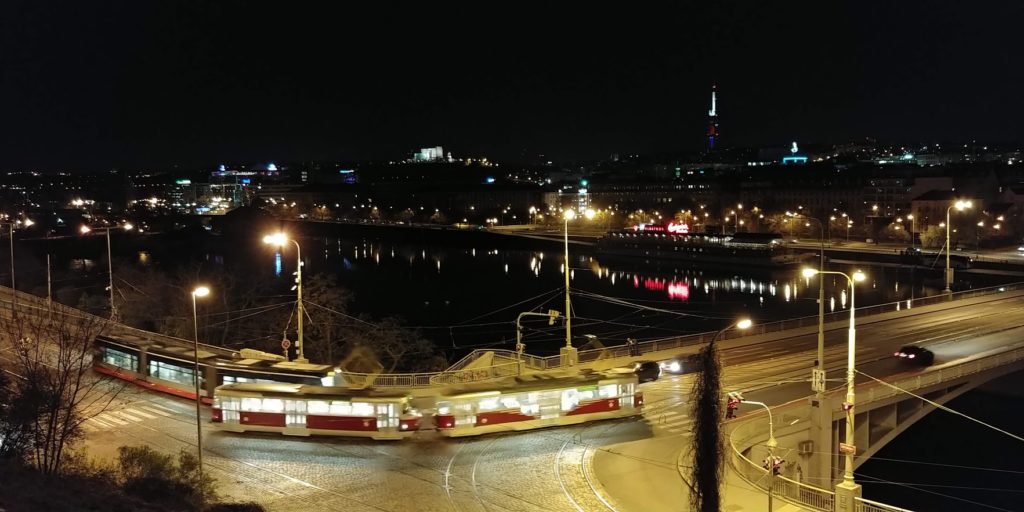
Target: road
614, 465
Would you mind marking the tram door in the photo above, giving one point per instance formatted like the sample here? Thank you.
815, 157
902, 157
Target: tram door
387, 415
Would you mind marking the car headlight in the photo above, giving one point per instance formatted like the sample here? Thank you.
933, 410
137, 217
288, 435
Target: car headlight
674, 367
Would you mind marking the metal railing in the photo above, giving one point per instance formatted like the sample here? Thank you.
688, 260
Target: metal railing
863, 505
750, 433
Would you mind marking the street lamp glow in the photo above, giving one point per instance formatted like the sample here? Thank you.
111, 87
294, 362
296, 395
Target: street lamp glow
589, 213
84, 229
960, 205
570, 214
278, 239
744, 323
200, 291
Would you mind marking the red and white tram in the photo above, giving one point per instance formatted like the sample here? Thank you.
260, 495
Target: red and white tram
303, 410
536, 401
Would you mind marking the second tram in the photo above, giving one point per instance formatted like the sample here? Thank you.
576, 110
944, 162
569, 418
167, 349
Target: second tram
536, 401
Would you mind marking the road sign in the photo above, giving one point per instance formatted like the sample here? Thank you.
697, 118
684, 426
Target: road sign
285, 343
817, 380
847, 449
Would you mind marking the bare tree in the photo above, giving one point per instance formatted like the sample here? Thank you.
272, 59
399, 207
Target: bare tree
58, 392
706, 397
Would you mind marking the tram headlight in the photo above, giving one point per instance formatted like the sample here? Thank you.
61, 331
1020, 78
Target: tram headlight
674, 367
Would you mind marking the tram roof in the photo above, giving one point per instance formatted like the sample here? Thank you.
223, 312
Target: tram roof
212, 355
535, 382
292, 390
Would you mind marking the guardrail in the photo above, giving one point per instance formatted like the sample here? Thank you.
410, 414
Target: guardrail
807, 495
863, 505
750, 433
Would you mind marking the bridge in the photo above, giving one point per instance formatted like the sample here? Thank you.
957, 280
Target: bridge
976, 336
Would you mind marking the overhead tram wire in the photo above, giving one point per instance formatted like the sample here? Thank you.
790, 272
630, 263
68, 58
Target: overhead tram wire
623, 302
944, 408
877, 480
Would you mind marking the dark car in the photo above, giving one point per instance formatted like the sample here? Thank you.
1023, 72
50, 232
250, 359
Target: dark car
682, 364
913, 354
647, 371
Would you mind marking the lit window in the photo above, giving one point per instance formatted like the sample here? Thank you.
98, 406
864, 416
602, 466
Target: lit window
318, 407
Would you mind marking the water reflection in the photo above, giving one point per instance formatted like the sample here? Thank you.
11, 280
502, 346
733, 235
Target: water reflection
444, 285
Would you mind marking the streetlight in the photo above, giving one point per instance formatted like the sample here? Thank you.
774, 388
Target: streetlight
110, 261
913, 230
569, 215
771, 444
819, 374
13, 291
741, 324
280, 240
960, 206
552, 314
201, 291
848, 484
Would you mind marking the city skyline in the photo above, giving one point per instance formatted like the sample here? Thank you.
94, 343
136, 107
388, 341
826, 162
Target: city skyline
96, 87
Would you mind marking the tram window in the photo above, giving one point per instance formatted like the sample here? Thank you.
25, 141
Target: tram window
252, 404
362, 409
588, 393
444, 408
531, 409
120, 359
171, 372
570, 399
341, 408
273, 405
488, 404
318, 407
509, 402
608, 391
295, 406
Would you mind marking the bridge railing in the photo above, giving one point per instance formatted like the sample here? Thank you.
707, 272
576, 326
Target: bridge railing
747, 436
863, 505
742, 439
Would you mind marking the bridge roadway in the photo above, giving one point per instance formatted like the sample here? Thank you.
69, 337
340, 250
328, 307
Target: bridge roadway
623, 465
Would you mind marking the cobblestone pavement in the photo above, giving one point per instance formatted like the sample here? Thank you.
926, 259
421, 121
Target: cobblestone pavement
543, 470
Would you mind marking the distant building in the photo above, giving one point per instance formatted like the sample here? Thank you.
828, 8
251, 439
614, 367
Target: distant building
713, 120
434, 154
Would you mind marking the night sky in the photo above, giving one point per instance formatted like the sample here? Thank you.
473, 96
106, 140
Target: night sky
95, 85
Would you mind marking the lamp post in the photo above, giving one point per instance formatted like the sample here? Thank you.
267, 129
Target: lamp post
739, 324
820, 374
280, 240
913, 230
848, 483
960, 206
110, 262
771, 444
552, 314
569, 215
201, 291
14, 291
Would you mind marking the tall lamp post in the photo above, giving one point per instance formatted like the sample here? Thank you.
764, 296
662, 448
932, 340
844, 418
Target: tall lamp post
960, 206
819, 376
280, 240
201, 291
771, 444
110, 262
569, 215
848, 485
14, 291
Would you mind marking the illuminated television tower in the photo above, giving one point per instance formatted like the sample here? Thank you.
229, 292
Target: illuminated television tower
713, 119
